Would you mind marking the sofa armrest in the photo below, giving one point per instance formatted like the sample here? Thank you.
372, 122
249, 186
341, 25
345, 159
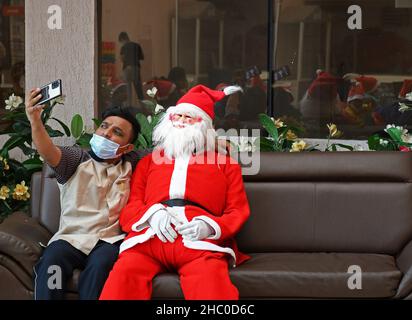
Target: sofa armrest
404, 262
20, 238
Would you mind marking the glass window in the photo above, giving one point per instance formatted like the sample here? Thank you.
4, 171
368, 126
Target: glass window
184, 43
11, 49
351, 69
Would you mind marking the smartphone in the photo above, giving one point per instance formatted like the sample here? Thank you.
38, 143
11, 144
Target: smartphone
252, 72
50, 91
281, 73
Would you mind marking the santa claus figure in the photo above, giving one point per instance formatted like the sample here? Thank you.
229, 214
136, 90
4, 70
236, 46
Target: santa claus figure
394, 113
321, 98
361, 103
186, 205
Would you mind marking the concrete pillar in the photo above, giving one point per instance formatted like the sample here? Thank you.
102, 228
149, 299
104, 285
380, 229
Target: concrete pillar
69, 54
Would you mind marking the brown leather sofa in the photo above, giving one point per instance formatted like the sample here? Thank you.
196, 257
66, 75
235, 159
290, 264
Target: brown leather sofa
313, 216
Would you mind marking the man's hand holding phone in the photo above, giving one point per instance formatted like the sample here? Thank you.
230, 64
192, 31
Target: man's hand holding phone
40, 96
34, 111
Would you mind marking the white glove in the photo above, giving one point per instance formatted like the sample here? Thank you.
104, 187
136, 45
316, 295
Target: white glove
195, 230
160, 222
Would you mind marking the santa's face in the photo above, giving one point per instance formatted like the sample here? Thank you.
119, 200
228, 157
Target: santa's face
183, 133
182, 120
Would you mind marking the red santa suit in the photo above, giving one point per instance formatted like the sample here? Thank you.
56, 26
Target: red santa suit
213, 184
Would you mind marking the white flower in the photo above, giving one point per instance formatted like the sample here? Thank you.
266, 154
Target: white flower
383, 142
245, 144
403, 107
60, 100
406, 138
152, 92
149, 119
158, 108
13, 102
298, 146
408, 96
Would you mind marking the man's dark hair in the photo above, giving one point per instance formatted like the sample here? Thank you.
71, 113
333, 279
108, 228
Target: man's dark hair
127, 113
123, 36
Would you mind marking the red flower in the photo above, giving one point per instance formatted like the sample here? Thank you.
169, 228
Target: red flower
405, 149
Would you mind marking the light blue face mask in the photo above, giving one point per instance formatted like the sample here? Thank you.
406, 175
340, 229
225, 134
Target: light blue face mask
104, 148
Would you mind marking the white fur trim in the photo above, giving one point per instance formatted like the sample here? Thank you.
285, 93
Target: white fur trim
177, 186
142, 223
232, 89
213, 224
189, 107
356, 96
204, 245
131, 242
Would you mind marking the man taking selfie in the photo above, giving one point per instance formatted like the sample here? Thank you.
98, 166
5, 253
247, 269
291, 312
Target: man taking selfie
94, 187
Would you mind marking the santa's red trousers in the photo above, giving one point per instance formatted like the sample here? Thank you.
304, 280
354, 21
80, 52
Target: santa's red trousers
204, 275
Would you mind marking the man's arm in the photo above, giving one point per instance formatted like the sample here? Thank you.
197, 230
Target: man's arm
44, 145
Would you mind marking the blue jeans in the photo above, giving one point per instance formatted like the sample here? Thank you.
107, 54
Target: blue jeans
95, 269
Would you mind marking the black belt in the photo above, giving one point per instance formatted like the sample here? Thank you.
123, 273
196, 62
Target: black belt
182, 203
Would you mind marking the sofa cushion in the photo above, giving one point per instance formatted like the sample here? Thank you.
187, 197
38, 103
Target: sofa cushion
361, 217
302, 275
316, 275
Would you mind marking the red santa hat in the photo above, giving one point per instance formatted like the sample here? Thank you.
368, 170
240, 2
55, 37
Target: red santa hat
201, 98
369, 83
357, 91
324, 86
406, 88
164, 88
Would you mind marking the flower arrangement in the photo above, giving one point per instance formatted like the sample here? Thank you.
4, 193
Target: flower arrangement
393, 138
284, 138
147, 124
15, 176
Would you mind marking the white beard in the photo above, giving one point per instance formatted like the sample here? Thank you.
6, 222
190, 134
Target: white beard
183, 142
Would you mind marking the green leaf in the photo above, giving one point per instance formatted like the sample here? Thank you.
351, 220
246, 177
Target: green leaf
146, 128
65, 128
156, 119
28, 151
10, 144
373, 142
269, 125
84, 140
97, 122
395, 134
149, 104
77, 126
344, 146
141, 142
53, 133
312, 148
266, 144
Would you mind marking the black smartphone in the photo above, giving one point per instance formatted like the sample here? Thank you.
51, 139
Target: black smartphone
281, 73
252, 72
50, 91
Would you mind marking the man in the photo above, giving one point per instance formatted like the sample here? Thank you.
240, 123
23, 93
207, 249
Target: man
131, 53
94, 187
186, 205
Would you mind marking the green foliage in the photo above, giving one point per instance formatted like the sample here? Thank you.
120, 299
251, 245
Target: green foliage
15, 175
281, 136
391, 139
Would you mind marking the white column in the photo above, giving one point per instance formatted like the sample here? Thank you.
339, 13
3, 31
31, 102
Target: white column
69, 54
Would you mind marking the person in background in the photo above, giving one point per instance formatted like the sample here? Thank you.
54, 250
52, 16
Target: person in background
131, 54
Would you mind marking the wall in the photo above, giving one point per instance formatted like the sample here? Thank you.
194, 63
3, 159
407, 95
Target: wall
69, 54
